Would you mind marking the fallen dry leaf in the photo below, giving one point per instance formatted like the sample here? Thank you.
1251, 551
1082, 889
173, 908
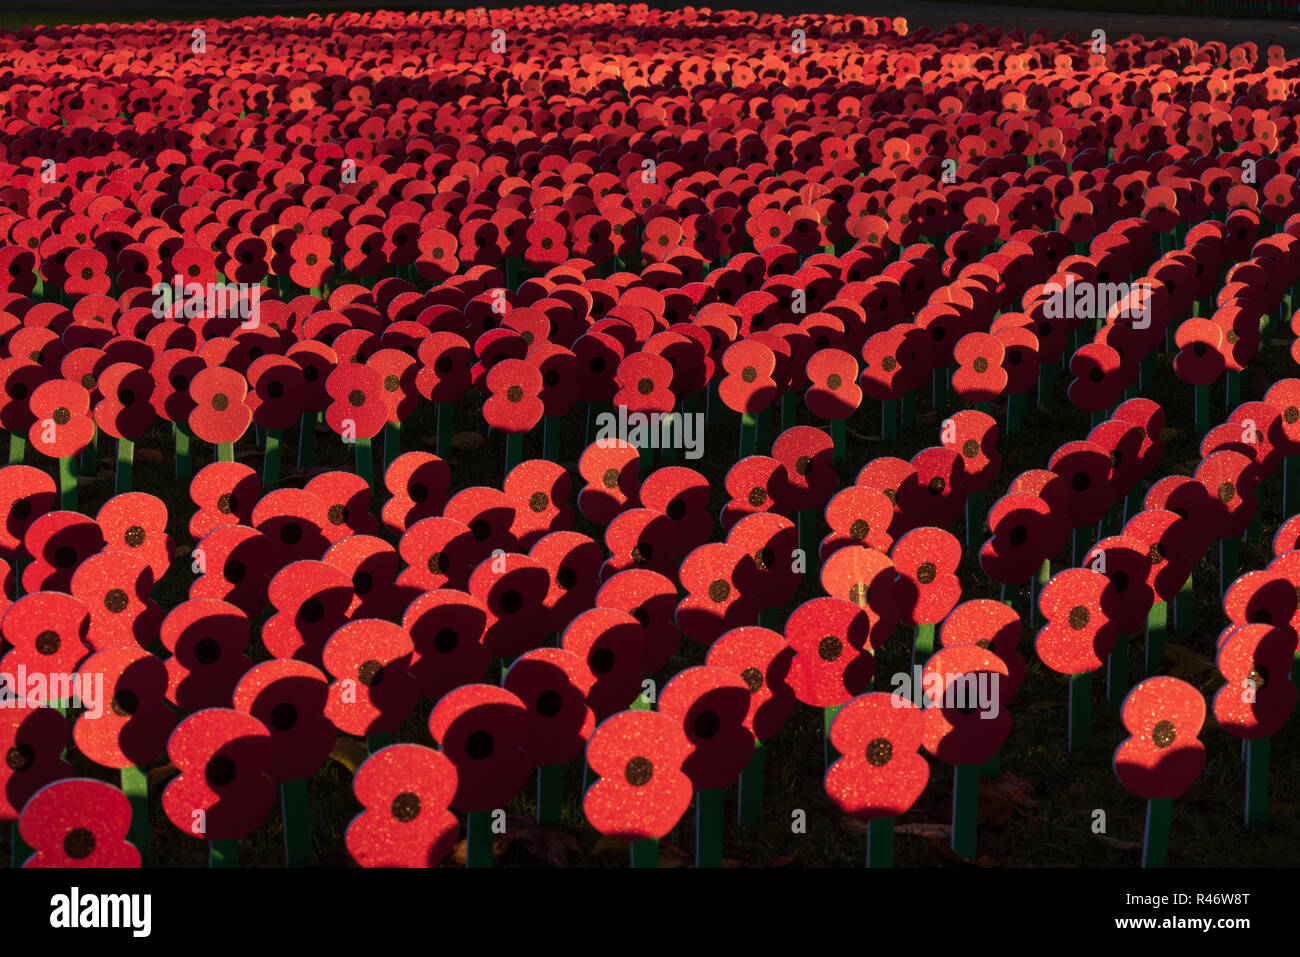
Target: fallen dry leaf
467, 441
349, 752
1000, 798
935, 832
161, 773
1122, 845
1186, 663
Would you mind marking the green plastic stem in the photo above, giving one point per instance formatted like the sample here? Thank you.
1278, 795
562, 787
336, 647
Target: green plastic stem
551, 438
889, 433
748, 435
184, 464
1155, 840
1256, 781
307, 439
645, 853
789, 410
17, 448
751, 787
828, 718
1157, 624
1229, 561
840, 449
365, 459
392, 442
135, 785
1080, 731
965, 808
922, 649
1117, 672
226, 452
550, 793
89, 463
446, 414
478, 839
271, 459
223, 853
880, 842
68, 483
708, 828
297, 823
1202, 396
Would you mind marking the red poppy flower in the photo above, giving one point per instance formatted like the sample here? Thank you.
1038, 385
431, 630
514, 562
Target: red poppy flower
62, 426
225, 493
445, 361
514, 589
651, 599
277, 391
926, 588
19, 378
642, 791
48, 633
59, 542
358, 409
572, 560
810, 480
1162, 756
446, 628
438, 551
880, 772
115, 588
639, 538
752, 483
223, 790
974, 435
937, 497
1078, 636
515, 403
126, 410
991, 625
372, 690
539, 492
1166, 539
33, 740
417, 483
26, 494
293, 521
834, 392
288, 697
1231, 479
220, 414
721, 591
1086, 468
613, 480
682, 496
957, 729
208, 640
234, 561
1255, 660
762, 660
78, 822
405, 790
135, 721
1026, 530
833, 652
553, 683
645, 383
1201, 345
748, 385
769, 539
979, 376
137, 522
483, 728
1127, 564
712, 706
858, 515
610, 643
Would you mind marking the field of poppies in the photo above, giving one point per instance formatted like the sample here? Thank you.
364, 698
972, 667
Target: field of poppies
572, 435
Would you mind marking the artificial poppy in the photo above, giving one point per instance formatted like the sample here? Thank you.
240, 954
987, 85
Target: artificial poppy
358, 410
417, 484
446, 628
233, 562
221, 415
712, 706
721, 591
136, 522
1127, 563
966, 720
1078, 636
78, 822
650, 598
642, 791
553, 683
61, 425
988, 624
294, 522
748, 385
115, 588
47, 634
573, 562
373, 690
539, 492
613, 481
288, 697
810, 480
207, 640
833, 652
514, 589
26, 494
223, 790
134, 721
59, 543
610, 644
833, 392
405, 790
483, 728
880, 771
1163, 755
979, 376
225, 493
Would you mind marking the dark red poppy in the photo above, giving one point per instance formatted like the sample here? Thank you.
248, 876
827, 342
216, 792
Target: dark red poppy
446, 628
974, 435
810, 480
651, 598
208, 640
712, 706
59, 542
135, 721
572, 560
833, 392
721, 583
33, 740
752, 483
78, 822
1255, 660
957, 729
553, 683
417, 484
682, 496
220, 414
1086, 469
445, 360
992, 625
937, 497
610, 643
483, 729
223, 790
642, 791
639, 538
277, 390
514, 589
294, 522
979, 376
234, 565
288, 697
26, 494
748, 385
1127, 563
405, 790
1201, 345
539, 492
1231, 479
1162, 756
